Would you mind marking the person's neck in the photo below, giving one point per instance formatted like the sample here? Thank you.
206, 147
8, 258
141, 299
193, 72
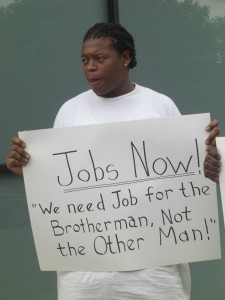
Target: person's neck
127, 88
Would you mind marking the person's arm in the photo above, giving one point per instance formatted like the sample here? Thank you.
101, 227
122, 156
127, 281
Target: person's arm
17, 157
212, 163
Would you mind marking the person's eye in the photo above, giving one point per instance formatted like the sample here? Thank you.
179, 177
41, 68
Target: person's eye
100, 58
84, 60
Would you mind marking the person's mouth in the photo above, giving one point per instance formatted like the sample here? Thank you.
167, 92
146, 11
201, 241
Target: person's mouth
94, 81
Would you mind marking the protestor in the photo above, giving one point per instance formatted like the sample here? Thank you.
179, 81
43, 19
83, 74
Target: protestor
108, 53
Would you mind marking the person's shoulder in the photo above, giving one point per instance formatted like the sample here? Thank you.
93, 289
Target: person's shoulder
76, 99
69, 109
71, 104
158, 101
151, 92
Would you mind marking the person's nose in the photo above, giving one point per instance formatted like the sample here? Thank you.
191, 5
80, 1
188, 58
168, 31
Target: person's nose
91, 65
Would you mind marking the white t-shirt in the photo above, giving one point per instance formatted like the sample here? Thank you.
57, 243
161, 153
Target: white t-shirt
162, 283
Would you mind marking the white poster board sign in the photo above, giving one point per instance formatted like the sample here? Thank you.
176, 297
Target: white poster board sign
220, 143
121, 196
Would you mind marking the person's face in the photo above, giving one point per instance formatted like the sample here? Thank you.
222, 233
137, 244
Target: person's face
104, 67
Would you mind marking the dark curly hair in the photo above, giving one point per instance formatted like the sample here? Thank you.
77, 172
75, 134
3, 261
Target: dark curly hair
121, 39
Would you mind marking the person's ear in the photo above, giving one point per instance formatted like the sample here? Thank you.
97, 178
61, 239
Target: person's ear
126, 58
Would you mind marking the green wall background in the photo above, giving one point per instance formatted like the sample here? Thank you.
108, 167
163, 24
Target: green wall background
180, 52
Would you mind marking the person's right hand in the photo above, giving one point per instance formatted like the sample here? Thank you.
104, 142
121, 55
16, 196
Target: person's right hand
17, 157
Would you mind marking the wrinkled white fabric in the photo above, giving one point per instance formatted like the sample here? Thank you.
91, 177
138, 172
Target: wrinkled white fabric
162, 283
88, 108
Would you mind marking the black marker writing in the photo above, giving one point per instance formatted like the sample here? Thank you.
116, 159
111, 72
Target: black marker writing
86, 175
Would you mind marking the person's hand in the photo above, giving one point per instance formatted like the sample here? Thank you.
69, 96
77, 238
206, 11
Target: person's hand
214, 131
212, 164
17, 157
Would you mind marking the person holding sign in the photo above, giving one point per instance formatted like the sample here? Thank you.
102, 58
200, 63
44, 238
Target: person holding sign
108, 53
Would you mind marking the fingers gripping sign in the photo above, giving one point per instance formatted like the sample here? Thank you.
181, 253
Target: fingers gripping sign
212, 162
214, 131
17, 156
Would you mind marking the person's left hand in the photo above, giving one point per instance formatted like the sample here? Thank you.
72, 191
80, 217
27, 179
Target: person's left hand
212, 163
